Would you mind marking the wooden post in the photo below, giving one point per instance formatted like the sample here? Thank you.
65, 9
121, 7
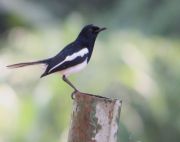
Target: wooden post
94, 119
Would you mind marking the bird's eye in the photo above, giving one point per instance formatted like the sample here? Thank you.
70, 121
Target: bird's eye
90, 29
95, 29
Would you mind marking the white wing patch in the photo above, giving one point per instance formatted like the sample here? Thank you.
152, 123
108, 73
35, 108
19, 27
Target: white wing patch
80, 53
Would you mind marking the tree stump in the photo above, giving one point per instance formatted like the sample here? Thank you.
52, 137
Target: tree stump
94, 119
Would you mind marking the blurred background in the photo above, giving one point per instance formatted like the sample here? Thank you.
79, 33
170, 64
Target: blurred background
137, 60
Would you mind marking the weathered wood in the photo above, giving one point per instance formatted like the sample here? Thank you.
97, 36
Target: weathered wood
94, 119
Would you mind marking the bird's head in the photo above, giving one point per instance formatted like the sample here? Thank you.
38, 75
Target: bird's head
90, 32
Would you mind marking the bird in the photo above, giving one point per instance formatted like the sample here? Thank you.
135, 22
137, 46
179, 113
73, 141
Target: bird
72, 58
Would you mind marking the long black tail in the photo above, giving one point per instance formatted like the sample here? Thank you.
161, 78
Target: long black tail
18, 65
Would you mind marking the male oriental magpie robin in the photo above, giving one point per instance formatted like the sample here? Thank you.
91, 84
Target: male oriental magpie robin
73, 58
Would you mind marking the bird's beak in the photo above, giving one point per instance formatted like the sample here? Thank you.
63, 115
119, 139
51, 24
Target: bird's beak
101, 29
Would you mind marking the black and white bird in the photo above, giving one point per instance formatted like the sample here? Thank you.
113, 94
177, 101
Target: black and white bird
73, 58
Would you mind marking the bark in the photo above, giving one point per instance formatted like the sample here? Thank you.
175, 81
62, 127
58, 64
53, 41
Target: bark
94, 119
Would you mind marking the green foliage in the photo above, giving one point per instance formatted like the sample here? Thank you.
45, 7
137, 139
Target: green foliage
134, 60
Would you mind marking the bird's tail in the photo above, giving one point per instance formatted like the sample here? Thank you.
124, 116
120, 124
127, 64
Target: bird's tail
19, 65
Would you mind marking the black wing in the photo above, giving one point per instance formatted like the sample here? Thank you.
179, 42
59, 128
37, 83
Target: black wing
61, 56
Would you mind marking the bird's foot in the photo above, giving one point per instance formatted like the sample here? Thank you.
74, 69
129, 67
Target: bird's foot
74, 93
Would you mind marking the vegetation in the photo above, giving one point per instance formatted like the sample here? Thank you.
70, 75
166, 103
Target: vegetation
136, 60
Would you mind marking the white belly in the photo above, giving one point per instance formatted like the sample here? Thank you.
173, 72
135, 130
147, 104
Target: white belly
74, 69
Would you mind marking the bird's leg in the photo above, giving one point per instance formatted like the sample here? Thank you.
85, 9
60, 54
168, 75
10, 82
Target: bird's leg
69, 83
